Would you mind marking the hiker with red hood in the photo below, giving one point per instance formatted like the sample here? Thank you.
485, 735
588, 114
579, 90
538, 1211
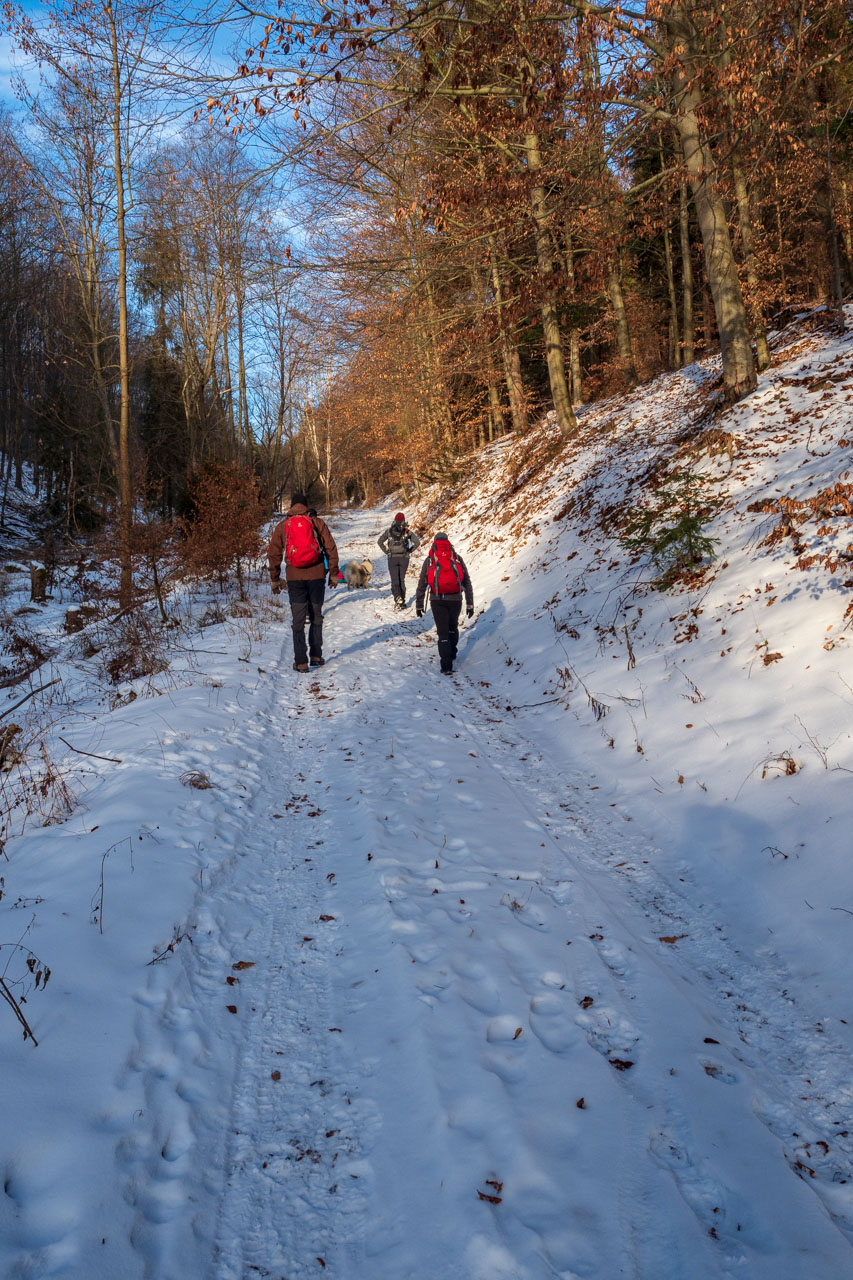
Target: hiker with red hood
445, 574
397, 543
309, 552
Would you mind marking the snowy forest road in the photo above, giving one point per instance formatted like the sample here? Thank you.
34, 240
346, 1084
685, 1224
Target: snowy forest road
473, 1036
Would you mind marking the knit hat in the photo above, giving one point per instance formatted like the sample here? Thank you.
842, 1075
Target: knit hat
441, 537
399, 518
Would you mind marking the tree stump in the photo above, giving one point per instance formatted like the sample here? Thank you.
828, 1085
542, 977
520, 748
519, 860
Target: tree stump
38, 584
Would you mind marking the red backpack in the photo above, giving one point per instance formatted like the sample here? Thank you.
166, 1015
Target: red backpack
301, 544
445, 570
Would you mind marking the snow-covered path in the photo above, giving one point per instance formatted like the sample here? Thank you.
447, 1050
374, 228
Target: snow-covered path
426, 997
473, 1036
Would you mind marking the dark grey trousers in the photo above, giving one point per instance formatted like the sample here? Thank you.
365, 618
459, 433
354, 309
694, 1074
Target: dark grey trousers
397, 566
306, 605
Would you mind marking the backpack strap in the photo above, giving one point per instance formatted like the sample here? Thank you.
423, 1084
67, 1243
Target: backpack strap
454, 564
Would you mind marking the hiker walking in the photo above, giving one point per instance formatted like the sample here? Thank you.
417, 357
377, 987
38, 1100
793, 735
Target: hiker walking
309, 552
397, 542
445, 574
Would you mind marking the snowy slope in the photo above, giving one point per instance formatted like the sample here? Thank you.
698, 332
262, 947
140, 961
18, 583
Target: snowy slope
692, 704
449, 978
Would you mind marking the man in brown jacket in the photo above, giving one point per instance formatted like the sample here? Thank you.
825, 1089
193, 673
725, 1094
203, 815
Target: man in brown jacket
308, 550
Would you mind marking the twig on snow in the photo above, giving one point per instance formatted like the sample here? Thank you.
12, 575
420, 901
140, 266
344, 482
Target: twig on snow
112, 759
16, 1009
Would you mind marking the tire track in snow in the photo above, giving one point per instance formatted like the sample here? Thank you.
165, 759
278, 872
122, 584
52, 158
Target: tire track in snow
295, 1175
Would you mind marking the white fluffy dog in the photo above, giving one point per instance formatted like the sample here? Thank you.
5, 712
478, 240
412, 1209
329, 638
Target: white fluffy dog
357, 573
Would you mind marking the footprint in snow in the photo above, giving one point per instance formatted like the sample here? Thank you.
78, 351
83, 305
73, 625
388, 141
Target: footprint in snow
614, 955
717, 1208
550, 1024
506, 1065
560, 891
505, 1028
482, 995
456, 850
607, 1031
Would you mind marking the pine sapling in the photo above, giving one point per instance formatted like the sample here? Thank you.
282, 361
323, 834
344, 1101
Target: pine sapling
671, 530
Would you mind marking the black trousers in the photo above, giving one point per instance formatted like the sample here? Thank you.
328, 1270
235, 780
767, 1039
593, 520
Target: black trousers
306, 605
397, 566
445, 612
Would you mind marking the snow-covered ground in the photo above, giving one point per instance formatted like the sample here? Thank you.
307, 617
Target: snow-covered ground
524, 973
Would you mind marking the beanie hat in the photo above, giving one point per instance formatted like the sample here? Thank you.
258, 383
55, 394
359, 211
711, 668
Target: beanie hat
399, 518
441, 537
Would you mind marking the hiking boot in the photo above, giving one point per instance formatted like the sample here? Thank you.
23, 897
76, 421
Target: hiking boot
447, 671
317, 662
300, 666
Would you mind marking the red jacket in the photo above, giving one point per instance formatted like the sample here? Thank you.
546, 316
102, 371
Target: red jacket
275, 551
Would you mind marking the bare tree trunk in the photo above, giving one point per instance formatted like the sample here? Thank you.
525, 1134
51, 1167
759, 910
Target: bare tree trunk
749, 261
327, 473
780, 238
242, 391
497, 426
550, 323
620, 319
832, 232
509, 351
125, 479
436, 380
847, 227
688, 324
739, 377
104, 403
674, 351
574, 331
226, 393
496, 417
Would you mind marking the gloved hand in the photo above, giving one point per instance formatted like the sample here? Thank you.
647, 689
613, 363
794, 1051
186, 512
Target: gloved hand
276, 586
469, 613
419, 613
333, 581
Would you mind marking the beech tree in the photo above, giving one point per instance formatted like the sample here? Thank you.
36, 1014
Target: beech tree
505, 207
